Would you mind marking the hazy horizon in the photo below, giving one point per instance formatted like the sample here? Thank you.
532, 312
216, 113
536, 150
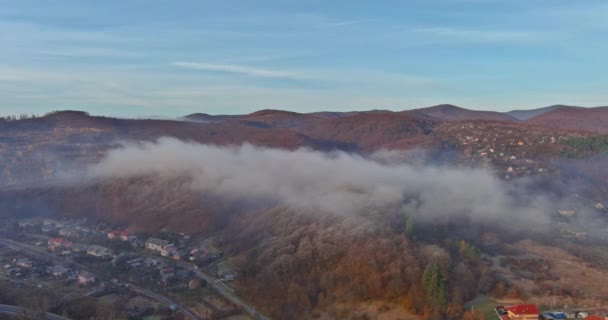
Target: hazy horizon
202, 111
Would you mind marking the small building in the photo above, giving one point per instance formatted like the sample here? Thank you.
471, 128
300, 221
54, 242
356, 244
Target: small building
168, 251
149, 262
99, 251
566, 213
113, 235
156, 244
49, 222
29, 223
83, 229
167, 273
55, 243
58, 270
24, 263
136, 262
194, 284
120, 235
225, 273
77, 247
68, 232
137, 243
522, 312
86, 278
48, 228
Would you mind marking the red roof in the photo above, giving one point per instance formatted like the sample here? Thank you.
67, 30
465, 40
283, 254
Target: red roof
526, 309
55, 240
594, 317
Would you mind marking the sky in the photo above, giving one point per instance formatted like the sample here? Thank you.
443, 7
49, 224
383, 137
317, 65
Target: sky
169, 58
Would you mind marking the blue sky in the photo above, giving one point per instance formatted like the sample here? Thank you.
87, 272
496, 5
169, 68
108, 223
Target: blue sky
170, 58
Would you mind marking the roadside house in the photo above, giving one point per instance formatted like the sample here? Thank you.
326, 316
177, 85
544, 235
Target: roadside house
522, 312
86, 278
58, 270
55, 243
99, 251
225, 273
156, 244
68, 232
24, 263
121, 235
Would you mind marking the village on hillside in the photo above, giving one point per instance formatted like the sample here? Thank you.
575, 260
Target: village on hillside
148, 275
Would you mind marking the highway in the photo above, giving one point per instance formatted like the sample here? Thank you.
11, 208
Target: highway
19, 311
42, 255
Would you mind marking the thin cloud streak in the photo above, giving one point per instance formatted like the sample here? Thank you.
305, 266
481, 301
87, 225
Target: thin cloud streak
237, 69
344, 23
482, 36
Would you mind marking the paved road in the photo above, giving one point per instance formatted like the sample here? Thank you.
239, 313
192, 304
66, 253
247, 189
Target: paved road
219, 288
42, 255
19, 311
224, 292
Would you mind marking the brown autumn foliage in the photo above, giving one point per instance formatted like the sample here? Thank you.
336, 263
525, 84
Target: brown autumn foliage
300, 262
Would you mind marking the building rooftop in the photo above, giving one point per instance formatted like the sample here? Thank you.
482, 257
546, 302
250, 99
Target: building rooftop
523, 309
158, 242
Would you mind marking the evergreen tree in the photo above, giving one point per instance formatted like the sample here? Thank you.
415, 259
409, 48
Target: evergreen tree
433, 283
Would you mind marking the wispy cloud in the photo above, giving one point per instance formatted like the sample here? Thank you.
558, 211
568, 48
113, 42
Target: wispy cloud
343, 23
477, 35
237, 69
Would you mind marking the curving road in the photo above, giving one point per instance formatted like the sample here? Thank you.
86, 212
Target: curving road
223, 291
218, 287
19, 311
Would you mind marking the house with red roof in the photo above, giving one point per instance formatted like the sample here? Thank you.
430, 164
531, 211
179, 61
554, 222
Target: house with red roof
116, 234
594, 317
56, 243
522, 312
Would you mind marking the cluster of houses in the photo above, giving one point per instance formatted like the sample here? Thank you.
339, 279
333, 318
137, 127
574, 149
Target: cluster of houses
66, 247
530, 312
132, 261
203, 253
21, 267
67, 237
510, 150
65, 228
121, 235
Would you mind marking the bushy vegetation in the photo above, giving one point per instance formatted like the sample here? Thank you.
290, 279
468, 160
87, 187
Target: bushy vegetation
583, 147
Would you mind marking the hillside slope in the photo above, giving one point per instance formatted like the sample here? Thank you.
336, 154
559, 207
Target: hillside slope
372, 131
448, 112
574, 118
527, 114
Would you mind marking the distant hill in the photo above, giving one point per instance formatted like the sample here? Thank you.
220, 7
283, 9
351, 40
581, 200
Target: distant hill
574, 118
369, 131
277, 119
204, 117
332, 114
448, 112
527, 114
